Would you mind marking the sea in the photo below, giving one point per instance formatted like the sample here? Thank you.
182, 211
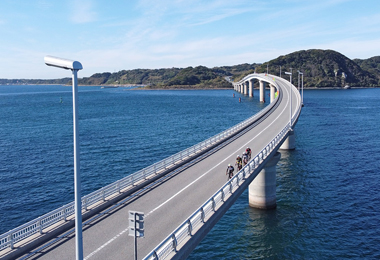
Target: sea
328, 188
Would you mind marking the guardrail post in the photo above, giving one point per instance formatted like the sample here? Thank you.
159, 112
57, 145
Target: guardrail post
40, 225
174, 243
155, 255
202, 215
230, 186
213, 204
10, 238
64, 214
103, 195
189, 227
223, 195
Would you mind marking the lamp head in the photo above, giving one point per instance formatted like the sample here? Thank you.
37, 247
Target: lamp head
62, 63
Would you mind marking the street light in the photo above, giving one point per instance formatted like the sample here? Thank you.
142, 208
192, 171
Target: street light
299, 72
290, 73
74, 66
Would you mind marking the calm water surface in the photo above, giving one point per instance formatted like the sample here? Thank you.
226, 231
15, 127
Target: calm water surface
327, 189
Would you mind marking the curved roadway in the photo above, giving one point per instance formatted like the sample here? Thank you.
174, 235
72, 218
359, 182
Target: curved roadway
170, 200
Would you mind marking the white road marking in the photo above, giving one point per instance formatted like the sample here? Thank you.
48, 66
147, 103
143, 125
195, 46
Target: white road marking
125, 230
107, 243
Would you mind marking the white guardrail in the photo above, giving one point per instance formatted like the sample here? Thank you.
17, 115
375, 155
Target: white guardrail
8, 239
200, 216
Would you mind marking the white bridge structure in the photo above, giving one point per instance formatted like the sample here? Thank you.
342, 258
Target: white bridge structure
182, 196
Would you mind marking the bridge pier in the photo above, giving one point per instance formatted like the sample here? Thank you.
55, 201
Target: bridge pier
251, 82
290, 142
262, 91
245, 88
272, 92
262, 190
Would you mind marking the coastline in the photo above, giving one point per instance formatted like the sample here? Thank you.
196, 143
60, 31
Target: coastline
139, 87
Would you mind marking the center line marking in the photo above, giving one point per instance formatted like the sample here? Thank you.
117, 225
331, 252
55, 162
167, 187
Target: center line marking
125, 230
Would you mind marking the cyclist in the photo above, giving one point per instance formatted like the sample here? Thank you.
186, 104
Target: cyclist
248, 151
245, 158
238, 162
230, 171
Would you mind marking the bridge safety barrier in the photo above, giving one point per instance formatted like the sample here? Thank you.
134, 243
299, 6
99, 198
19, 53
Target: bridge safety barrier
66, 212
184, 232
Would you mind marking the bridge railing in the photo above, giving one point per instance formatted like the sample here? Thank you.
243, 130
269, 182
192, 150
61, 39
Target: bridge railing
200, 216
10, 238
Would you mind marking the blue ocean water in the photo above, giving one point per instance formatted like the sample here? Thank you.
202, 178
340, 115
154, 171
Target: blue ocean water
120, 132
327, 189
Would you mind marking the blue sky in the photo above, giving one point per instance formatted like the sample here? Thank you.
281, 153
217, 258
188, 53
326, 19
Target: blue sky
109, 36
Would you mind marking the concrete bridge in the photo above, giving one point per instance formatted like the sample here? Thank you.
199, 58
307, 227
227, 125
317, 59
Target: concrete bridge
182, 196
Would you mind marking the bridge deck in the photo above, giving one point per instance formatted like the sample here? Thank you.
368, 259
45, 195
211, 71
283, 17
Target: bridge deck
168, 201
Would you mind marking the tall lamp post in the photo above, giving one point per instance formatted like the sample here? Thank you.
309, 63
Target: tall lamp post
300, 73
74, 66
290, 73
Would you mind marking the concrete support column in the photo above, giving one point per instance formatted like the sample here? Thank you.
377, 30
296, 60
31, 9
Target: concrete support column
290, 142
262, 190
251, 81
241, 88
262, 91
272, 92
245, 88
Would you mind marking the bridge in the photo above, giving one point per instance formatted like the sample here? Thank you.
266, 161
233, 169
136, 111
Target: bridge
182, 196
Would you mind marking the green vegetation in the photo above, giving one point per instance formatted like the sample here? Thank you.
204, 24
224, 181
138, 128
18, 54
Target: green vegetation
321, 68
326, 69
63, 81
372, 65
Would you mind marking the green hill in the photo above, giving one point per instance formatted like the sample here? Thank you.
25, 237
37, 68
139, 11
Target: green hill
321, 68
198, 77
371, 65
326, 69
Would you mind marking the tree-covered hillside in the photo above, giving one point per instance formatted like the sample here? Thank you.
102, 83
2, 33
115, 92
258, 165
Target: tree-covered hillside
321, 68
371, 65
198, 77
325, 68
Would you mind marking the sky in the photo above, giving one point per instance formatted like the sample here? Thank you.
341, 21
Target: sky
114, 35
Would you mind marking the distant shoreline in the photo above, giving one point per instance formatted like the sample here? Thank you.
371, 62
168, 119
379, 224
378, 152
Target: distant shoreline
184, 88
